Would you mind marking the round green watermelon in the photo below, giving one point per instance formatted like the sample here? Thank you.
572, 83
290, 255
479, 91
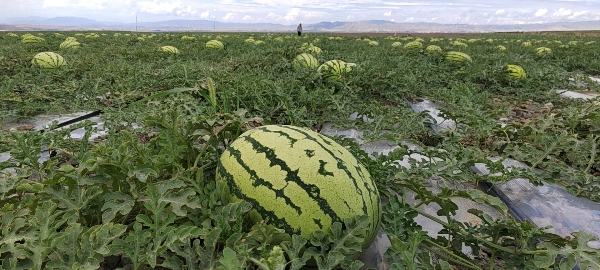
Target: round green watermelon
298, 180
334, 69
214, 44
305, 60
458, 58
515, 72
543, 51
48, 60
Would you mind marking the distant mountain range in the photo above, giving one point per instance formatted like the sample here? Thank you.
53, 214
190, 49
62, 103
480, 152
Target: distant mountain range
77, 23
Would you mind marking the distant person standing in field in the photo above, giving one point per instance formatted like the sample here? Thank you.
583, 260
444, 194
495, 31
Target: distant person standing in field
299, 29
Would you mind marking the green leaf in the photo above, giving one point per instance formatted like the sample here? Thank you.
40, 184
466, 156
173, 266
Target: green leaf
132, 246
116, 202
178, 199
295, 251
14, 231
229, 260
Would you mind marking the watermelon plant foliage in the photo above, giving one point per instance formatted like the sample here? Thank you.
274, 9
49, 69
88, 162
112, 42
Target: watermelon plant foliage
148, 195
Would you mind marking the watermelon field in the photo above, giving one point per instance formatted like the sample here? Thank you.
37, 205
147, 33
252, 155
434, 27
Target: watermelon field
149, 192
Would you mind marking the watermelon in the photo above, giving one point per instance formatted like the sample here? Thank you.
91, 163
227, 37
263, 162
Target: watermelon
298, 180
29, 38
334, 69
458, 58
305, 60
500, 48
433, 49
459, 44
413, 45
397, 44
48, 60
373, 43
214, 44
515, 72
169, 49
69, 44
542, 51
314, 50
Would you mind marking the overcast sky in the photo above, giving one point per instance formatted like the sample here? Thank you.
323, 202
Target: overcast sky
291, 12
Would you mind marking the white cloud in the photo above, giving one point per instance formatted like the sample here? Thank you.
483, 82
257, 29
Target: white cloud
541, 12
186, 11
204, 14
410, 19
387, 14
229, 16
500, 11
350, 18
247, 17
392, 20
156, 7
577, 14
55, 3
292, 14
562, 12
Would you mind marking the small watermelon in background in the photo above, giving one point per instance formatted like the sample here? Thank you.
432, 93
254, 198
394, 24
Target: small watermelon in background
258, 42
184, 38
526, 44
373, 43
397, 44
515, 72
214, 44
70, 45
305, 60
298, 180
458, 58
413, 45
543, 51
433, 49
334, 69
459, 44
169, 49
48, 60
29, 38
500, 48
249, 40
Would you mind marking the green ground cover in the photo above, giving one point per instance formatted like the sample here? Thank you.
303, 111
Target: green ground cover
148, 195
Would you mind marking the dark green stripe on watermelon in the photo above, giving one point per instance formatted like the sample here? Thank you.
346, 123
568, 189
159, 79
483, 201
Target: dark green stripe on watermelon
292, 176
265, 214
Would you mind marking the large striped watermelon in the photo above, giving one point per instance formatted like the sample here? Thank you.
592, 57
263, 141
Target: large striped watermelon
458, 58
305, 60
298, 180
48, 60
334, 69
